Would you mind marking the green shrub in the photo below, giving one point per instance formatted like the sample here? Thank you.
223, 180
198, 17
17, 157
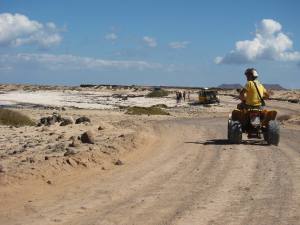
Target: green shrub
136, 110
164, 106
157, 93
13, 118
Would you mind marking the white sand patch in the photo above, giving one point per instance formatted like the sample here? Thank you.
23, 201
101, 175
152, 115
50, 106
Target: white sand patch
80, 99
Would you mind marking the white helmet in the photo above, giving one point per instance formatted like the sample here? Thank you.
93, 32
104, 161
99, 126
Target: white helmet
251, 71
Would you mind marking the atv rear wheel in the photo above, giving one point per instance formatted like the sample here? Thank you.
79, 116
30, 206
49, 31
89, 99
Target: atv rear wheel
272, 135
234, 132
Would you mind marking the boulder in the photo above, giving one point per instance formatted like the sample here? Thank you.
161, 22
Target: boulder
82, 119
88, 137
56, 117
75, 143
118, 162
67, 121
43, 121
50, 120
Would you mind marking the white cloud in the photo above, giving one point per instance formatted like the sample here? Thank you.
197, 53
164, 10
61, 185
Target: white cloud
111, 36
17, 30
71, 62
269, 43
178, 44
151, 42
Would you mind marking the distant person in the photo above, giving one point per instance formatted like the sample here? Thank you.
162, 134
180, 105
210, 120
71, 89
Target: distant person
254, 93
183, 95
180, 96
177, 97
188, 95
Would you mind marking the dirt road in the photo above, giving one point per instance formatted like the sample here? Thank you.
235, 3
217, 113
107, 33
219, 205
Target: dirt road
186, 174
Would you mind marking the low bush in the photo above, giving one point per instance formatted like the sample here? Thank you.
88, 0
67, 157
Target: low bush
13, 118
164, 106
157, 93
136, 110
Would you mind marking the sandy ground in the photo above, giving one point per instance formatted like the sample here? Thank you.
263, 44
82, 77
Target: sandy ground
176, 169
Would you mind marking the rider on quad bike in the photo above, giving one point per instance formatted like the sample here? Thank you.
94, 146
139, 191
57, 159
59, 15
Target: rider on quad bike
250, 117
254, 93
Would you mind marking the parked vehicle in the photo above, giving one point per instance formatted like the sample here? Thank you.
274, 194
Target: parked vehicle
206, 96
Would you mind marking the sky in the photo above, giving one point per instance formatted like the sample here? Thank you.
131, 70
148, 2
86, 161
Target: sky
149, 42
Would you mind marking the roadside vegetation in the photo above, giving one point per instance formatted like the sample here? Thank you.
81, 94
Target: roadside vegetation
153, 110
157, 93
164, 106
13, 118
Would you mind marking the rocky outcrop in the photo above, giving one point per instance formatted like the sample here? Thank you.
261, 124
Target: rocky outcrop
82, 119
67, 121
50, 120
87, 137
56, 118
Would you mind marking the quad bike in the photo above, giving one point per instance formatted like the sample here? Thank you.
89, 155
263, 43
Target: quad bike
257, 123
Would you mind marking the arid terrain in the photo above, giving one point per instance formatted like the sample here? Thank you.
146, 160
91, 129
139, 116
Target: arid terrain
143, 169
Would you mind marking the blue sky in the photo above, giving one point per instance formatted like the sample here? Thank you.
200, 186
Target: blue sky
193, 43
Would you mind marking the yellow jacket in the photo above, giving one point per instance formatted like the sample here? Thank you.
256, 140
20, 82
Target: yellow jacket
251, 95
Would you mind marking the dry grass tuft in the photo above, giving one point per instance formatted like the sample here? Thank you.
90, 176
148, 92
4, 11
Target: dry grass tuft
157, 93
135, 110
13, 118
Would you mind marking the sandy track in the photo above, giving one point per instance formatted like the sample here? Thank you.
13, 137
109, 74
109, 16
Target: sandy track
189, 175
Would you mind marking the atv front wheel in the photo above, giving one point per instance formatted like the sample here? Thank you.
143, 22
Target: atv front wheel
234, 132
272, 135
